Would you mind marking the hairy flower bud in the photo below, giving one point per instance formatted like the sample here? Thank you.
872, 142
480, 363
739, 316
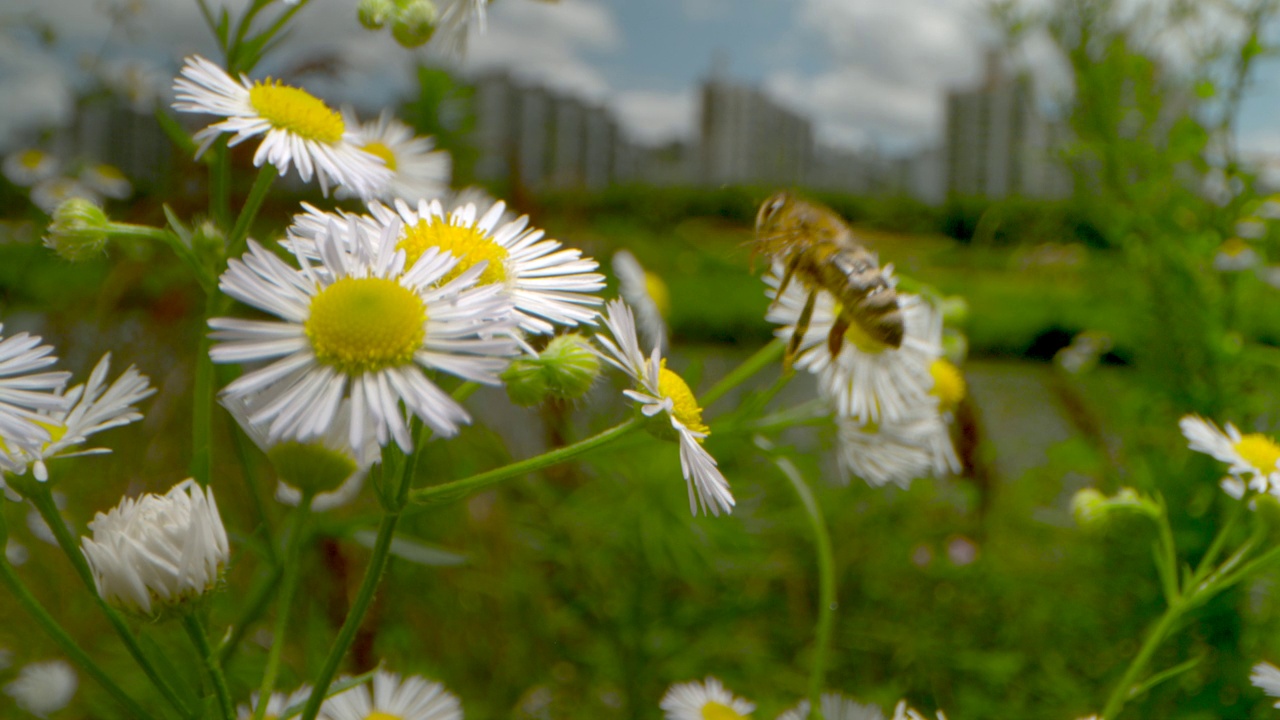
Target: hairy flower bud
414, 23
525, 382
374, 14
78, 231
158, 551
1094, 510
570, 365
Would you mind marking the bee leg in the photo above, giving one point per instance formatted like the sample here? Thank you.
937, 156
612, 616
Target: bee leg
786, 278
801, 329
835, 339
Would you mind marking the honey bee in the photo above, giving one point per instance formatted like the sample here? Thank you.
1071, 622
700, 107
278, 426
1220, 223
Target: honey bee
815, 245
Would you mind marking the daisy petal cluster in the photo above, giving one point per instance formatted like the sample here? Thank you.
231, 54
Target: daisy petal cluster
703, 700
417, 171
277, 704
389, 696
43, 688
661, 392
1253, 459
297, 128
645, 292
26, 395
893, 406
365, 326
158, 550
904, 712
1267, 677
835, 707
84, 410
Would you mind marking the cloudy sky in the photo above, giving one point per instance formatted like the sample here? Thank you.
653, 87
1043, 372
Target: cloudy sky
869, 72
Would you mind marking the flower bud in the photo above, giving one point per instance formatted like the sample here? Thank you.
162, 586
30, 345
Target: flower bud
208, 242
374, 14
415, 23
525, 382
158, 551
1094, 510
311, 468
78, 231
570, 366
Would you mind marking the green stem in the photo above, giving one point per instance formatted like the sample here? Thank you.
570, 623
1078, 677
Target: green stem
377, 563
65, 641
749, 367
167, 237
239, 233
458, 489
42, 498
202, 403
220, 185
284, 604
1124, 689
254, 607
826, 584
195, 630
1215, 547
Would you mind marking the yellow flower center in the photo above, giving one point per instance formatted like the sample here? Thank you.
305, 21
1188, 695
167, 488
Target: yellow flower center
948, 384
380, 150
110, 172
1233, 247
1259, 451
859, 337
31, 159
360, 325
296, 110
469, 245
379, 715
713, 710
658, 293
684, 404
56, 431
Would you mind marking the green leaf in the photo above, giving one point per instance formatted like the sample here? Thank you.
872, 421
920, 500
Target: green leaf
184, 678
175, 224
412, 550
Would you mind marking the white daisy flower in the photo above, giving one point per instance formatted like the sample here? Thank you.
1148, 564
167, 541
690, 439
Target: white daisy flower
903, 712
897, 452
298, 128
1252, 459
43, 688
334, 470
86, 409
30, 166
647, 294
867, 380
546, 283
26, 395
413, 698
107, 180
1235, 255
276, 704
417, 171
49, 194
455, 20
158, 550
835, 707
660, 390
701, 700
1267, 677
364, 327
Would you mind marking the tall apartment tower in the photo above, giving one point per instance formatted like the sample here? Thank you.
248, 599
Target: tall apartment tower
745, 137
997, 144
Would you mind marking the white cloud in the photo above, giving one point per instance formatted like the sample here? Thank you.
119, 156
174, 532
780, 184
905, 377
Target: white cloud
546, 43
654, 117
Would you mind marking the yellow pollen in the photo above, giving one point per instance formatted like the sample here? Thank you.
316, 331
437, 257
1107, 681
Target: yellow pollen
296, 110
379, 715
948, 384
469, 245
360, 325
859, 337
684, 404
1259, 451
713, 710
31, 159
380, 150
658, 293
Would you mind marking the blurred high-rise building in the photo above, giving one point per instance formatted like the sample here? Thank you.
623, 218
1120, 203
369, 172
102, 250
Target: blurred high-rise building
747, 138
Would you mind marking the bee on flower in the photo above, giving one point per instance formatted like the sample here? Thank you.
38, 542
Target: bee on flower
662, 393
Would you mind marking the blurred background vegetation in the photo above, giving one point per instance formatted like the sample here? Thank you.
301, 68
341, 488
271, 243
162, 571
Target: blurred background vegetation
584, 591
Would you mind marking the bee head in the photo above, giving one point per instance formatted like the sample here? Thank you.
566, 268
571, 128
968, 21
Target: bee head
771, 207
